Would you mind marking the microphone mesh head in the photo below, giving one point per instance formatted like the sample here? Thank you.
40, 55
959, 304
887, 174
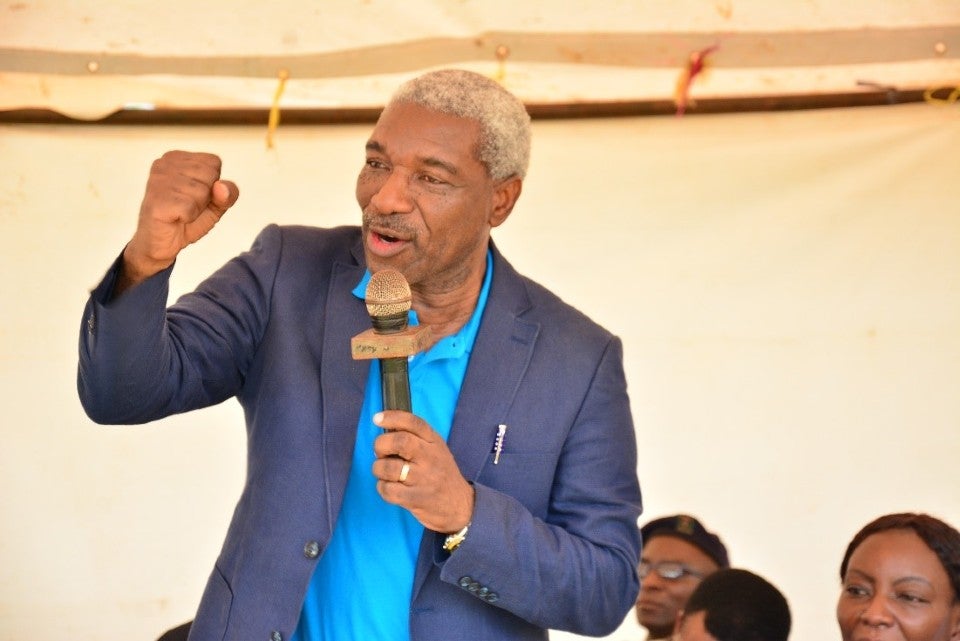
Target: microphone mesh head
387, 293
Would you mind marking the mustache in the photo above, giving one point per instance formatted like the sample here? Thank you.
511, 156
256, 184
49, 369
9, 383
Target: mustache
389, 224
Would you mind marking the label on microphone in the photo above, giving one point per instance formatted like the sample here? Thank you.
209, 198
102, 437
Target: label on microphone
370, 345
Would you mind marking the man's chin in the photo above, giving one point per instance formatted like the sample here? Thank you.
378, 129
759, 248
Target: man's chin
656, 624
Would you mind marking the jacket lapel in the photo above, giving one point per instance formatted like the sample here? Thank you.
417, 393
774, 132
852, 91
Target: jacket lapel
343, 379
498, 362
500, 356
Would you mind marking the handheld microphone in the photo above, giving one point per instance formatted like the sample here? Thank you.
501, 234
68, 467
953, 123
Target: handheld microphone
390, 340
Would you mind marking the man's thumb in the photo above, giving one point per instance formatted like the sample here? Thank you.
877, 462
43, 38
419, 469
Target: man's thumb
224, 195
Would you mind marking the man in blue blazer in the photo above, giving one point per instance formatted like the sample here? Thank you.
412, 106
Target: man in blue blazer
504, 505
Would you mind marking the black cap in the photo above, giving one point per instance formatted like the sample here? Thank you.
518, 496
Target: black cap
689, 529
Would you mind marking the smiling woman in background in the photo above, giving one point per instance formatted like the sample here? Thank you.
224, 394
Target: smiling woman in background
901, 581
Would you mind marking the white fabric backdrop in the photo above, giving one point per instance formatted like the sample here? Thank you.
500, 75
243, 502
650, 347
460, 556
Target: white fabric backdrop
786, 286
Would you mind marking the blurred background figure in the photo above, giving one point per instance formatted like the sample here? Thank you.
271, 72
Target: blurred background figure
901, 581
678, 553
734, 605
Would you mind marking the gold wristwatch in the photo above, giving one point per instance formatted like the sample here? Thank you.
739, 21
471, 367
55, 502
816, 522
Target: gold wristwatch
453, 541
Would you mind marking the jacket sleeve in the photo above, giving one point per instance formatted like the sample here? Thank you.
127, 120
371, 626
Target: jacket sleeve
574, 569
140, 361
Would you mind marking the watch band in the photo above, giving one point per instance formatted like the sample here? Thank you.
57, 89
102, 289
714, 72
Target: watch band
453, 541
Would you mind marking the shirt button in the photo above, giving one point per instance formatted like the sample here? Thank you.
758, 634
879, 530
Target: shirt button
276, 636
311, 550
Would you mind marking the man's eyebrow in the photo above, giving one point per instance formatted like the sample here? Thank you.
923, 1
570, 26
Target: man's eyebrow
429, 161
432, 161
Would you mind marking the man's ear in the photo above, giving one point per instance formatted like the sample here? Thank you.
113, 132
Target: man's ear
505, 194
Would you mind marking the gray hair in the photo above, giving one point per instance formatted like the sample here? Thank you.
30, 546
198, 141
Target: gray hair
504, 145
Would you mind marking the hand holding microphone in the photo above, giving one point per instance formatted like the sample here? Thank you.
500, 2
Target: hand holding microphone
416, 468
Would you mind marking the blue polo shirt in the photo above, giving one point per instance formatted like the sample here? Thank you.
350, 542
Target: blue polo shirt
362, 586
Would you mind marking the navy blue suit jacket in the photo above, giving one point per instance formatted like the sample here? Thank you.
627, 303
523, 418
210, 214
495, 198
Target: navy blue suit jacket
553, 541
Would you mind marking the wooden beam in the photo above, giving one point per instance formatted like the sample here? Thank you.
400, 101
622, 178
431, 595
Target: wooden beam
538, 111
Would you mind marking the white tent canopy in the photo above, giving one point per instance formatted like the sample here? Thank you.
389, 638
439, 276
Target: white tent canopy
89, 59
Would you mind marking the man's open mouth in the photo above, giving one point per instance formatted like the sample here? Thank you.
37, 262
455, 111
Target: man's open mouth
387, 238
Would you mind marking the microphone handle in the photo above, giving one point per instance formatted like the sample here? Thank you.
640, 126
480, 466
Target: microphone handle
395, 384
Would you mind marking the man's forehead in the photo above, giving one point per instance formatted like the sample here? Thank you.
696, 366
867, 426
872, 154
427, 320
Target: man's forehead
412, 114
430, 137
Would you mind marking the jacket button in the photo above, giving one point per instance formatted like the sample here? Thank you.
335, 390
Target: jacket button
493, 597
465, 582
311, 550
276, 636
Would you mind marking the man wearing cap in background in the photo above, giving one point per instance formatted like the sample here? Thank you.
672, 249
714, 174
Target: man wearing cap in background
678, 552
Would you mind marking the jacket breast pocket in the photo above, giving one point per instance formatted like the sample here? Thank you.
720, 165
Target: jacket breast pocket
526, 475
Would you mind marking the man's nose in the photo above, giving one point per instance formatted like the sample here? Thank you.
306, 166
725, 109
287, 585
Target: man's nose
394, 195
652, 581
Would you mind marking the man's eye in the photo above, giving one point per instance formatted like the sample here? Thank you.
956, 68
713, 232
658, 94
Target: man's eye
375, 164
432, 180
